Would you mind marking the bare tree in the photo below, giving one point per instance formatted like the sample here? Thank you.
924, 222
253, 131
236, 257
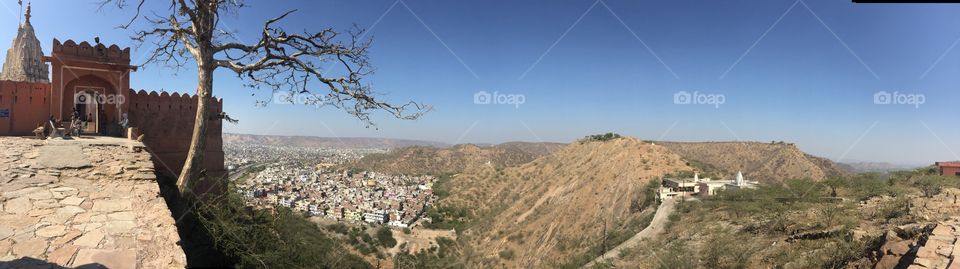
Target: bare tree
278, 61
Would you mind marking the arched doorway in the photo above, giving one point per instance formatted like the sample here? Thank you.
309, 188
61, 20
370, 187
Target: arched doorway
88, 108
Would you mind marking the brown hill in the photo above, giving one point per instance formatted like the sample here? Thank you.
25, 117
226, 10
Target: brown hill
420, 160
555, 209
764, 162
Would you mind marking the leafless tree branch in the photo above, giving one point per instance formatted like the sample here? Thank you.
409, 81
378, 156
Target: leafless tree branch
279, 61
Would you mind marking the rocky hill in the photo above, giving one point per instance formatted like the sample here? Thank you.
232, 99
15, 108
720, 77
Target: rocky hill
557, 208
328, 142
764, 162
420, 160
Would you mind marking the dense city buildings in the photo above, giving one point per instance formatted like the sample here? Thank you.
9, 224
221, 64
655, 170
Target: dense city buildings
305, 179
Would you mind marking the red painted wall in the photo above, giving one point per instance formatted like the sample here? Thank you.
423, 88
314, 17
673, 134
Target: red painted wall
166, 121
28, 105
949, 171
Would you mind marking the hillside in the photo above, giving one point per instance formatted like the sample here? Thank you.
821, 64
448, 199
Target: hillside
864, 167
328, 142
895, 220
553, 211
420, 160
764, 162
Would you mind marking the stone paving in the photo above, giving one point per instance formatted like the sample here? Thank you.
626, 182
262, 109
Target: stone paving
76, 203
940, 251
936, 247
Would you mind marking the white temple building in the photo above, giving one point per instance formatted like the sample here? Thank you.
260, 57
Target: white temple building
696, 186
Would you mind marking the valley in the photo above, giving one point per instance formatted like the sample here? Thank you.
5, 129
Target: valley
593, 203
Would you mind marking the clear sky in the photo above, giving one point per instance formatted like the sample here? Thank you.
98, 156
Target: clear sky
799, 71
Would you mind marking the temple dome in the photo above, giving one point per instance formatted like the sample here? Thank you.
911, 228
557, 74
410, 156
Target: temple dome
24, 60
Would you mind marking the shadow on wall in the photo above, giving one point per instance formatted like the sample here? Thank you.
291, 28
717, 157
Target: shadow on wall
28, 263
195, 239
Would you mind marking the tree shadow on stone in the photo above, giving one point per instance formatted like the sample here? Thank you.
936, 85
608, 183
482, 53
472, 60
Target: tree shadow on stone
31, 263
195, 240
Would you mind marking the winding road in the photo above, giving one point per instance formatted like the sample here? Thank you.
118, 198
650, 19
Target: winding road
656, 226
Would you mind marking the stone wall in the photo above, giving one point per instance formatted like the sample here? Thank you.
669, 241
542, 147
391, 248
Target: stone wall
23, 105
166, 121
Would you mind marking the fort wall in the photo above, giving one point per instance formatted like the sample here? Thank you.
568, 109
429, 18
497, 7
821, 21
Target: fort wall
166, 122
23, 105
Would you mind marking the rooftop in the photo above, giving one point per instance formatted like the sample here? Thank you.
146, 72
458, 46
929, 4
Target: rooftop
948, 164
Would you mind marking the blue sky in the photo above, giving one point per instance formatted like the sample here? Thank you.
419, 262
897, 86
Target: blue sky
803, 72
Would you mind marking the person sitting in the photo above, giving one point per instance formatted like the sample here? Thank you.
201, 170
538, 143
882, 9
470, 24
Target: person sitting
75, 125
40, 130
124, 122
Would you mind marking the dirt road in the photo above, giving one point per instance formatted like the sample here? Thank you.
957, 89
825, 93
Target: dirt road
656, 226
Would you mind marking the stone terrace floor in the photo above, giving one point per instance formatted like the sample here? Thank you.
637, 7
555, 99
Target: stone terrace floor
90, 201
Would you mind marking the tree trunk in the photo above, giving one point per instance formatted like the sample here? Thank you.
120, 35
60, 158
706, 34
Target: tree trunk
198, 142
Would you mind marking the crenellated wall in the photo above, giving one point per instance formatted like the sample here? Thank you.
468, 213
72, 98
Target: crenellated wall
23, 105
99, 52
166, 121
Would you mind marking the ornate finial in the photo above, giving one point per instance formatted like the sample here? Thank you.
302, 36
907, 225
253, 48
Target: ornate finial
27, 16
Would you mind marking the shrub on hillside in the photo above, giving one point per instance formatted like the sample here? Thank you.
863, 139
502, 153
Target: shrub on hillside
602, 137
385, 237
255, 238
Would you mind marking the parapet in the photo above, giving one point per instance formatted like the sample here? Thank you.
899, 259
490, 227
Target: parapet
142, 98
98, 52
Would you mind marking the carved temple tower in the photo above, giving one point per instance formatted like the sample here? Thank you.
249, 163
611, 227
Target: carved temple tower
24, 62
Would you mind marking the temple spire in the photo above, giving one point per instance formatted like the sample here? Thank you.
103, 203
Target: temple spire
26, 17
24, 61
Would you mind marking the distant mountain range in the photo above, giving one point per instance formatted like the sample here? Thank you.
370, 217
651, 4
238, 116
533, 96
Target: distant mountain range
330, 142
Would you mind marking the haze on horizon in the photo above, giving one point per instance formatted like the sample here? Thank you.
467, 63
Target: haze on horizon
807, 72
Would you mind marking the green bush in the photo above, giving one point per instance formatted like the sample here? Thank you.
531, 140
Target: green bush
506, 254
385, 237
447, 217
602, 137
339, 228
447, 255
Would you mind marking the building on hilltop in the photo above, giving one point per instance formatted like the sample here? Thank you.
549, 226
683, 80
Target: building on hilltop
948, 168
92, 81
